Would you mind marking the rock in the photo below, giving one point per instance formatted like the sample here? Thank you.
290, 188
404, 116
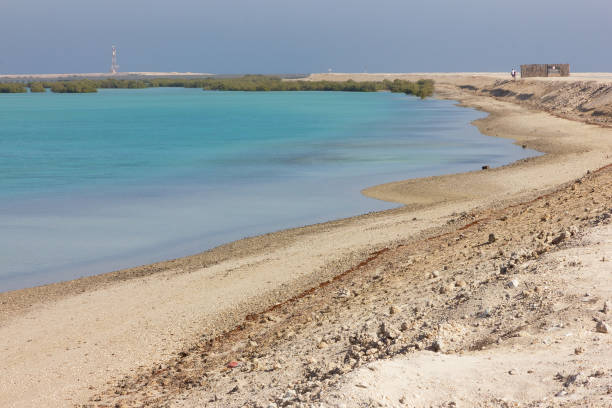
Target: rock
393, 309
322, 345
437, 346
513, 284
602, 327
233, 390
578, 350
343, 293
492, 238
606, 307
289, 395
560, 238
460, 283
253, 343
404, 326
435, 274
233, 364
512, 372
485, 313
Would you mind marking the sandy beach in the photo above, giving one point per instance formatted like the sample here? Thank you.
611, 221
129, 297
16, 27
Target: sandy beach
335, 313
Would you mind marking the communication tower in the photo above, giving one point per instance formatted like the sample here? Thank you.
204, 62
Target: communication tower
114, 66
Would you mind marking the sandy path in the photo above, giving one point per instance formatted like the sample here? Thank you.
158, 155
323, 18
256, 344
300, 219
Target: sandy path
54, 351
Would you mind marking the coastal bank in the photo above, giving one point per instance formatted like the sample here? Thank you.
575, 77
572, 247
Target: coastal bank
140, 336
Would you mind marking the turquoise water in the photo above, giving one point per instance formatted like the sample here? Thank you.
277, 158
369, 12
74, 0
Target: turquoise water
90, 183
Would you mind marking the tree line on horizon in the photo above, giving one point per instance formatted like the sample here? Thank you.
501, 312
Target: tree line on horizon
247, 83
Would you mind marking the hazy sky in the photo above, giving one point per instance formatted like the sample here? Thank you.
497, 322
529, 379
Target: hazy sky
288, 36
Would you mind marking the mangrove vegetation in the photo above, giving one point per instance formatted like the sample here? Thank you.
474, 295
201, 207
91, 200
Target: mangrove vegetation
248, 83
12, 87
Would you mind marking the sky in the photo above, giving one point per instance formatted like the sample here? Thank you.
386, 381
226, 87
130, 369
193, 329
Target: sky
290, 36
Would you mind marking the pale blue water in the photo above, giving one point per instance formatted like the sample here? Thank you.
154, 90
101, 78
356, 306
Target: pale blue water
91, 183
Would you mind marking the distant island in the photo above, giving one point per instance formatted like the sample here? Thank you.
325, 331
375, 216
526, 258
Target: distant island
247, 83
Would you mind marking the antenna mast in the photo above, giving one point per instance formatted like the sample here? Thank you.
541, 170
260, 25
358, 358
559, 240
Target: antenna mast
114, 66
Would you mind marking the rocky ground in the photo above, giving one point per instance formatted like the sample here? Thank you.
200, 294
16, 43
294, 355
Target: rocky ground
586, 101
503, 307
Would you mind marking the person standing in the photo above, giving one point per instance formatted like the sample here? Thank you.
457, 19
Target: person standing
513, 73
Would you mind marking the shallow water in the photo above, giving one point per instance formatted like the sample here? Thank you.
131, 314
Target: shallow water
91, 183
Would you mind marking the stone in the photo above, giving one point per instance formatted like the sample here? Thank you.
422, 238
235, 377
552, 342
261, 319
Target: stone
393, 309
435, 274
578, 350
322, 345
460, 283
437, 346
512, 372
560, 238
602, 327
289, 395
513, 284
606, 307
492, 238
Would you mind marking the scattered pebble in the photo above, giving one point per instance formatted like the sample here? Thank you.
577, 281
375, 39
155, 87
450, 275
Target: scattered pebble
492, 238
602, 327
513, 284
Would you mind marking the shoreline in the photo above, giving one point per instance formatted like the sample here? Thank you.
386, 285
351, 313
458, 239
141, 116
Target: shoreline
313, 254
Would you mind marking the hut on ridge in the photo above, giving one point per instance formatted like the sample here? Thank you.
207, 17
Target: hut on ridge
545, 70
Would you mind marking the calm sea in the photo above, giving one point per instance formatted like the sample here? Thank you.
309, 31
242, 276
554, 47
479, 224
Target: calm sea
91, 183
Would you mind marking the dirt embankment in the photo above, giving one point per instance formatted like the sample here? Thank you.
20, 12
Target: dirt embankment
586, 101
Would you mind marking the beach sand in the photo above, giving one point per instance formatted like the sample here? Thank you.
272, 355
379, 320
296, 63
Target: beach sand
120, 337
